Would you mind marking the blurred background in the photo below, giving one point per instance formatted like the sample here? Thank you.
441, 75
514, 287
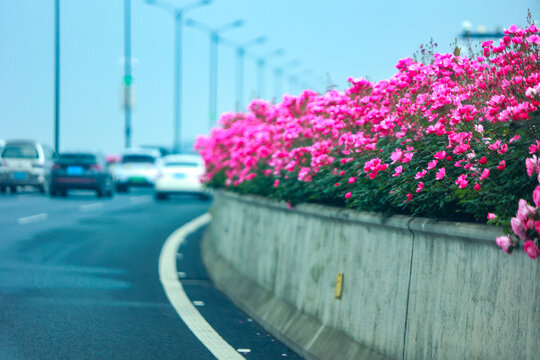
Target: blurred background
266, 49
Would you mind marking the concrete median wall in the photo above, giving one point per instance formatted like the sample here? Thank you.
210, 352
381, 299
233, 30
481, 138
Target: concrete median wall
413, 288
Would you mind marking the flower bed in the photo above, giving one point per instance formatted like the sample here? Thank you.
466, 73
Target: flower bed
455, 138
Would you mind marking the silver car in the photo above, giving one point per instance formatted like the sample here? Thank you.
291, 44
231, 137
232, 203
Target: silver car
25, 163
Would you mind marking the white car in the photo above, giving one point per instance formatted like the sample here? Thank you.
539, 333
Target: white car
180, 174
137, 168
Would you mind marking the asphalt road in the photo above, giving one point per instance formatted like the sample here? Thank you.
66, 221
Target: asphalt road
79, 280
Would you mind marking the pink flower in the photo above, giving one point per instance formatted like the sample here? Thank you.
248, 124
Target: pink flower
505, 243
485, 174
518, 228
407, 157
409, 197
398, 171
503, 149
491, 216
532, 165
420, 187
352, 179
440, 155
531, 249
501, 165
482, 160
536, 196
289, 205
348, 195
476, 187
396, 155
420, 174
432, 164
537, 226
462, 181
276, 183
440, 174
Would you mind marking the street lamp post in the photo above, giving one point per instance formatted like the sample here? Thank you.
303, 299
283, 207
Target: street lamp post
178, 23
214, 45
127, 72
240, 53
261, 63
57, 76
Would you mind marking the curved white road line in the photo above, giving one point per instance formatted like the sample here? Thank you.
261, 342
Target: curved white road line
168, 276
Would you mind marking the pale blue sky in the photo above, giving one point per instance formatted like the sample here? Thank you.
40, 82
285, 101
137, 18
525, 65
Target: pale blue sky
339, 38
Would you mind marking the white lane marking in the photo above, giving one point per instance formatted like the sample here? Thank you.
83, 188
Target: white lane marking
92, 206
198, 303
32, 218
243, 351
140, 199
168, 276
181, 274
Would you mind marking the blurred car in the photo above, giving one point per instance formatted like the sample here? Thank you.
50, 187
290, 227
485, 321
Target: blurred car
180, 174
81, 171
138, 167
163, 151
25, 163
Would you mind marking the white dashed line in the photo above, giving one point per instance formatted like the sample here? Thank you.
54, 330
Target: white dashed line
140, 199
32, 218
198, 303
168, 276
92, 206
244, 351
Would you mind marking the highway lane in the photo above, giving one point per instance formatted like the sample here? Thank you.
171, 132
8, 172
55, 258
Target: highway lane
79, 280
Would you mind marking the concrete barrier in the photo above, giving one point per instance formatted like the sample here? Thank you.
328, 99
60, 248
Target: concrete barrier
412, 288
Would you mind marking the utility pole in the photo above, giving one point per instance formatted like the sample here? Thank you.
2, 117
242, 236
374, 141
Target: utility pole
57, 76
179, 13
128, 79
214, 45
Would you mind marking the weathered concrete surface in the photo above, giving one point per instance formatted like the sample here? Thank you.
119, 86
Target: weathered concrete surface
413, 288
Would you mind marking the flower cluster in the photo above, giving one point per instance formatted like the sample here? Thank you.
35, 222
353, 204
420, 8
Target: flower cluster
445, 139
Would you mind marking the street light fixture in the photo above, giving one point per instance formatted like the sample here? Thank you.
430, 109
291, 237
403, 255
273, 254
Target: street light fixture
261, 63
178, 13
240, 53
214, 45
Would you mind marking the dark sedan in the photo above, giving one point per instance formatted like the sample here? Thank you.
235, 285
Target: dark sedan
81, 171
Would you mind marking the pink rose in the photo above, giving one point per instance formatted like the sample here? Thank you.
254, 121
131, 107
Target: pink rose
536, 196
531, 249
505, 243
440, 174
420, 174
491, 216
348, 195
519, 228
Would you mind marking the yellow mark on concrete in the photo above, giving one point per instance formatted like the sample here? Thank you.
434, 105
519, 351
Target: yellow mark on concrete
339, 286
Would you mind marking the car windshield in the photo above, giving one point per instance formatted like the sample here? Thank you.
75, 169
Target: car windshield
20, 152
138, 159
77, 158
181, 163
